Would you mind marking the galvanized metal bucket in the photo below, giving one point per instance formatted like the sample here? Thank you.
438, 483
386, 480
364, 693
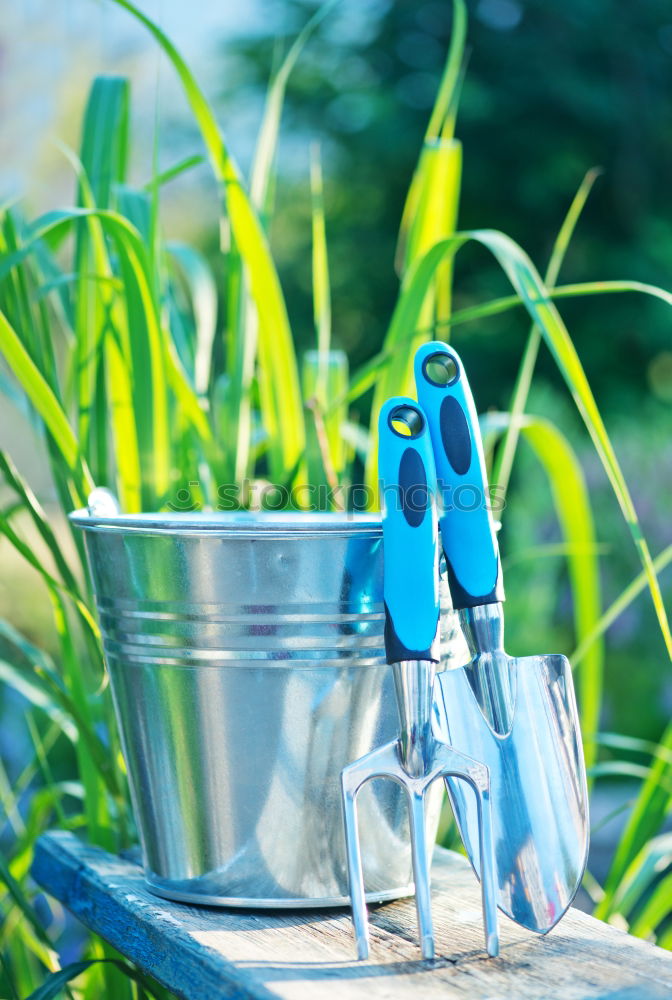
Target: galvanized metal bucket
246, 659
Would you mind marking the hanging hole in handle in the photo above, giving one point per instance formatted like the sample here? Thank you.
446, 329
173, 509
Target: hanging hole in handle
441, 369
406, 421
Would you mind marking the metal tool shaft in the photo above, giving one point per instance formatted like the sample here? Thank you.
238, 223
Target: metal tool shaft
490, 672
414, 685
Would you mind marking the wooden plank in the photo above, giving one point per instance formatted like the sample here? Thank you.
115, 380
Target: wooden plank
206, 953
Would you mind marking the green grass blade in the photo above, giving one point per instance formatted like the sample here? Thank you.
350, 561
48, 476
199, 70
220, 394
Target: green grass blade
528, 285
496, 307
572, 504
25, 315
243, 318
438, 184
202, 292
504, 461
100, 827
622, 602
644, 822
37, 692
526, 281
179, 168
104, 147
654, 857
325, 378
149, 352
43, 400
21, 900
40, 666
275, 333
321, 288
440, 126
656, 909
102, 165
267, 141
445, 98
56, 982
366, 375
108, 337
26, 550
39, 518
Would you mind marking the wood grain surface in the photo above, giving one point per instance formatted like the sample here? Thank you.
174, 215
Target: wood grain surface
207, 953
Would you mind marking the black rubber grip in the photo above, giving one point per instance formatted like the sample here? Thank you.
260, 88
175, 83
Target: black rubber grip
396, 651
413, 492
455, 435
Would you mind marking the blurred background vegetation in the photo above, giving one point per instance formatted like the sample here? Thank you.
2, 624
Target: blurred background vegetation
552, 88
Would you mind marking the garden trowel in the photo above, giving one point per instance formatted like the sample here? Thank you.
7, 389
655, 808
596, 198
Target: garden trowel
517, 715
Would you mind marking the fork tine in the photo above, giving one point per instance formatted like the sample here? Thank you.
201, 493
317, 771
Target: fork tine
355, 873
421, 870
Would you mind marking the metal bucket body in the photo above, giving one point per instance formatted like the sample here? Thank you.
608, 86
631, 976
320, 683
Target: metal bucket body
247, 666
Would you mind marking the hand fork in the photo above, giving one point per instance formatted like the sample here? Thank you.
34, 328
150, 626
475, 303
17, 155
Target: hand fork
417, 758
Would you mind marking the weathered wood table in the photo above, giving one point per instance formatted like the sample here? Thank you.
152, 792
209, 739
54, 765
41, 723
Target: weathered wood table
208, 953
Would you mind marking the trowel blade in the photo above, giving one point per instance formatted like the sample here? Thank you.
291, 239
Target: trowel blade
537, 780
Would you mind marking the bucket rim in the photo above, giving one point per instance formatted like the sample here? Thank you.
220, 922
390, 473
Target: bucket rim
232, 524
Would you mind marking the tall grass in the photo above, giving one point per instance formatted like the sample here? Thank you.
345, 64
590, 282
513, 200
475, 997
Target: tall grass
137, 375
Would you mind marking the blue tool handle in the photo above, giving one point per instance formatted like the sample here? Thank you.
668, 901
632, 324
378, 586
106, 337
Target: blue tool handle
407, 479
467, 528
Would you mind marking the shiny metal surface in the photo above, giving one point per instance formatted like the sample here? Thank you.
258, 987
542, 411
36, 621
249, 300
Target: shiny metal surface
519, 717
247, 666
414, 761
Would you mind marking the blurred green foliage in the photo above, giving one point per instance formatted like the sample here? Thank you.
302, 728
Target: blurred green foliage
552, 87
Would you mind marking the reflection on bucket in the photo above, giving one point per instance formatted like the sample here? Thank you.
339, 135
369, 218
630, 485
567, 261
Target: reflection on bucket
247, 667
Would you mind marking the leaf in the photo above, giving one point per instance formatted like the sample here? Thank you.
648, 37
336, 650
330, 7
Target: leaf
526, 281
325, 377
653, 858
25, 550
572, 505
321, 288
203, 300
44, 401
656, 909
267, 140
57, 981
276, 339
149, 353
445, 102
30, 503
21, 900
504, 461
105, 316
440, 126
643, 823
38, 662
623, 601
435, 218
37, 692
365, 377
101, 166
243, 314
179, 168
